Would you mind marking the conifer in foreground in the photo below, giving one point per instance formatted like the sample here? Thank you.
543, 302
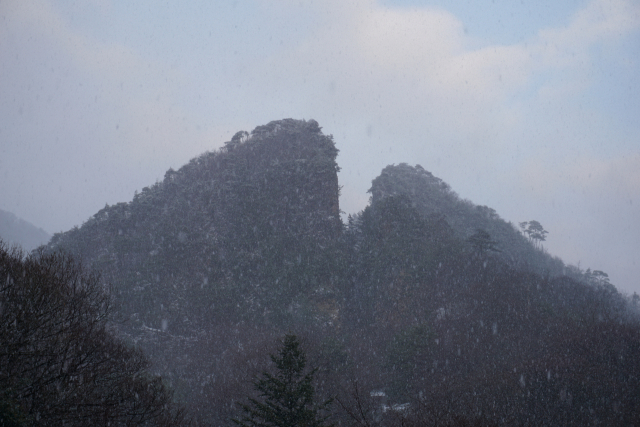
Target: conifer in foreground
286, 398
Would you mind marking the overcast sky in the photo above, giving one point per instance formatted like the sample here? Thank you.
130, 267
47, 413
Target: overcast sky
531, 108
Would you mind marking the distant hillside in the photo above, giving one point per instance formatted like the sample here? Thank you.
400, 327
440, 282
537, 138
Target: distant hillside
432, 196
422, 297
14, 230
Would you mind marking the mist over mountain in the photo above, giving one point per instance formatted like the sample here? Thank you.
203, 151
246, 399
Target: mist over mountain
422, 298
14, 230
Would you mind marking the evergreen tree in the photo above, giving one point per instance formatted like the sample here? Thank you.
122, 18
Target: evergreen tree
286, 398
482, 242
535, 231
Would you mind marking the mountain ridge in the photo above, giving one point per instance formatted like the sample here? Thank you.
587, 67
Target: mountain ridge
242, 245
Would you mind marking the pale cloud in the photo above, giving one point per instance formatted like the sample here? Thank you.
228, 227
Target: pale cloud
430, 47
600, 21
414, 41
140, 93
42, 20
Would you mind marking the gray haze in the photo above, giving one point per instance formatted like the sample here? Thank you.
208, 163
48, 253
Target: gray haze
15, 231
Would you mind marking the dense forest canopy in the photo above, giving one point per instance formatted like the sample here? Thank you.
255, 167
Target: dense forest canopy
422, 309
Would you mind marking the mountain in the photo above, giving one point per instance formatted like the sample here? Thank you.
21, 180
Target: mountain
432, 196
217, 237
422, 297
14, 230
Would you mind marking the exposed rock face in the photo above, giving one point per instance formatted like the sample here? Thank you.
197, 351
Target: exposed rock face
222, 229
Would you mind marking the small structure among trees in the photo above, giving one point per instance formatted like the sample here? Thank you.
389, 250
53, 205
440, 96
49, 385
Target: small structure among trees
286, 398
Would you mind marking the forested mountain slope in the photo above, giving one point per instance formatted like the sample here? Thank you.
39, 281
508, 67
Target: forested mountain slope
409, 298
432, 196
225, 235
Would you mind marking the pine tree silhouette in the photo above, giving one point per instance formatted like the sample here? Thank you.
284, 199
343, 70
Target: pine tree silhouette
286, 398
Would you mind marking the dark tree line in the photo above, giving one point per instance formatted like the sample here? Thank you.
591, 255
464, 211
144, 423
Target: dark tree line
59, 362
